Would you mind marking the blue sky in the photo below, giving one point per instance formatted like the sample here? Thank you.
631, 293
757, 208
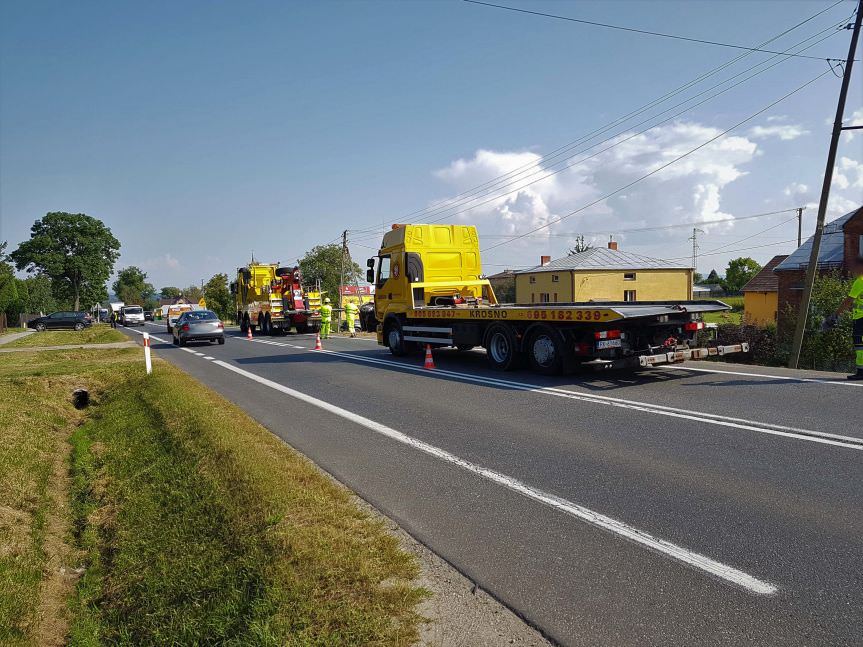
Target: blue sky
203, 131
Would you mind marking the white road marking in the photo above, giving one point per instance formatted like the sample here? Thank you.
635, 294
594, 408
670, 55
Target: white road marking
208, 357
199, 354
188, 350
696, 560
774, 377
846, 442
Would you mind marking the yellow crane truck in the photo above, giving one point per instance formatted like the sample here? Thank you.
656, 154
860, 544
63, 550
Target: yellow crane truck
271, 298
429, 289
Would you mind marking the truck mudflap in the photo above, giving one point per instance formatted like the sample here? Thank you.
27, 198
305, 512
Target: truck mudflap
677, 356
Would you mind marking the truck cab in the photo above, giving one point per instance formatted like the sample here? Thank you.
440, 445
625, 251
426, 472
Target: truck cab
427, 265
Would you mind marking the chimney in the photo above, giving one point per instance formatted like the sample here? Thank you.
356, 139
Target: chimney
544, 260
612, 244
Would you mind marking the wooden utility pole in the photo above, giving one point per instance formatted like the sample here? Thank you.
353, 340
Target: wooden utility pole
342, 275
812, 269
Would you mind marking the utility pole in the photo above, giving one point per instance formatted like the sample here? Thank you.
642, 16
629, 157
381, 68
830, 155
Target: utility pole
342, 275
812, 268
800, 225
694, 239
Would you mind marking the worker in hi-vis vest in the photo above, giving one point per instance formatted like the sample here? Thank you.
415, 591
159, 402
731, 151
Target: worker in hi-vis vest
351, 312
854, 302
326, 318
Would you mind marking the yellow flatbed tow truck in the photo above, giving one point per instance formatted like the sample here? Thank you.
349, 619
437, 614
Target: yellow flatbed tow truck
429, 289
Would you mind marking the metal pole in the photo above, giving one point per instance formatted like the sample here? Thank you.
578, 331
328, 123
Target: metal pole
811, 269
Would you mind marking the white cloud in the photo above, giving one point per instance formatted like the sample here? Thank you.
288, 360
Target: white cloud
163, 262
856, 119
688, 190
848, 173
785, 132
795, 189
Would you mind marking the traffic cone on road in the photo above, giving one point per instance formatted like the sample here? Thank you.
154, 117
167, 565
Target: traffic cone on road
318, 342
429, 359
249, 333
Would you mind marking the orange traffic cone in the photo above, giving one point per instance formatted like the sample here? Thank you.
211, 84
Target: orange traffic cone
249, 333
318, 342
429, 359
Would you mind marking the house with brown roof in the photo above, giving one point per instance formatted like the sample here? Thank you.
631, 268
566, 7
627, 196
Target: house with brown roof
761, 295
841, 244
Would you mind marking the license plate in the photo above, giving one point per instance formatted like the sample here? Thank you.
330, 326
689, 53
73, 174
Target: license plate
607, 343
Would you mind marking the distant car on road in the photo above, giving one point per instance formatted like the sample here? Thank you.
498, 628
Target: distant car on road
132, 316
63, 319
198, 325
148, 315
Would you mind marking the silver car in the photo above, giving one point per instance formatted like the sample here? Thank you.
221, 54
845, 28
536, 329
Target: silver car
198, 325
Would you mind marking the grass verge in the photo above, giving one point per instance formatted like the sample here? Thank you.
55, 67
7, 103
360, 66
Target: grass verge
96, 334
196, 525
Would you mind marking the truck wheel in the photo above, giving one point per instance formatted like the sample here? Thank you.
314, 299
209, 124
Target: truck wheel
302, 328
502, 348
395, 338
546, 350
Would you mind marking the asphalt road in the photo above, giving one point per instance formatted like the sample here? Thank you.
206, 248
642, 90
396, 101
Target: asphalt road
710, 504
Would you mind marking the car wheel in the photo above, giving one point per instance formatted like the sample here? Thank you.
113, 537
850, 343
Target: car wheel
546, 350
502, 348
40, 327
221, 340
395, 338
181, 341
79, 326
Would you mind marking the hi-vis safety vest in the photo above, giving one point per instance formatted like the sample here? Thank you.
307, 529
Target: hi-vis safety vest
351, 310
856, 293
326, 313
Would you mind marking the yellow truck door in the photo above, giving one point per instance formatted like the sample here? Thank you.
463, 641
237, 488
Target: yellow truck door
391, 283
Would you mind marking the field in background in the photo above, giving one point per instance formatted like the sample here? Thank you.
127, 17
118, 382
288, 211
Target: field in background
189, 522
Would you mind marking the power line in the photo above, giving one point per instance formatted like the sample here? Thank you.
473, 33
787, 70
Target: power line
641, 229
616, 122
667, 164
642, 31
551, 173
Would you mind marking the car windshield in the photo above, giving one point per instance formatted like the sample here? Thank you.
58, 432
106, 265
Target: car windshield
202, 315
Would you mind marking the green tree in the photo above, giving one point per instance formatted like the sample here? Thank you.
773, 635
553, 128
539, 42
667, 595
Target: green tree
713, 277
697, 277
170, 292
77, 251
40, 295
131, 286
739, 273
219, 297
580, 246
10, 300
192, 293
324, 263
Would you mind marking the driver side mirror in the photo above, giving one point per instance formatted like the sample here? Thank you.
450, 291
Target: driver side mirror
370, 276
370, 263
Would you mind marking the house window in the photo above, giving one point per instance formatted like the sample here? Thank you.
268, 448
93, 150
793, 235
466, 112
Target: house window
532, 297
532, 279
629, 276
555, 278
629, 295
543, 297
555, 297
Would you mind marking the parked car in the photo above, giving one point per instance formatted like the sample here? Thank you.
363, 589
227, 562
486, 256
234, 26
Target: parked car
62, 319
198, 325
148, 315
132, 316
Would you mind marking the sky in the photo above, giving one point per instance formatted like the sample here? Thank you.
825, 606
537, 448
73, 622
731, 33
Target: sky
204, 132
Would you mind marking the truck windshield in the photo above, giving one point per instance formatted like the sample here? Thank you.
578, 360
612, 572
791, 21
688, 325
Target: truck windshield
133, 310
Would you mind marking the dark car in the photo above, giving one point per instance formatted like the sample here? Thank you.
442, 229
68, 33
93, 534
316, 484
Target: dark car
368, 321
198, 325
148, 315
62, 319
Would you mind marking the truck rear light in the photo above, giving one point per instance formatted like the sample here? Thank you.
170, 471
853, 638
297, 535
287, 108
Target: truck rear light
694, 325
607, 334
583, 348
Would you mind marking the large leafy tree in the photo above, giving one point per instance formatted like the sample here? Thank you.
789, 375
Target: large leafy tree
713, 277
10, 302
131, 286
77, 251
739, 273
40, 295
219, 297
192, 293
170, 292
324, 263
